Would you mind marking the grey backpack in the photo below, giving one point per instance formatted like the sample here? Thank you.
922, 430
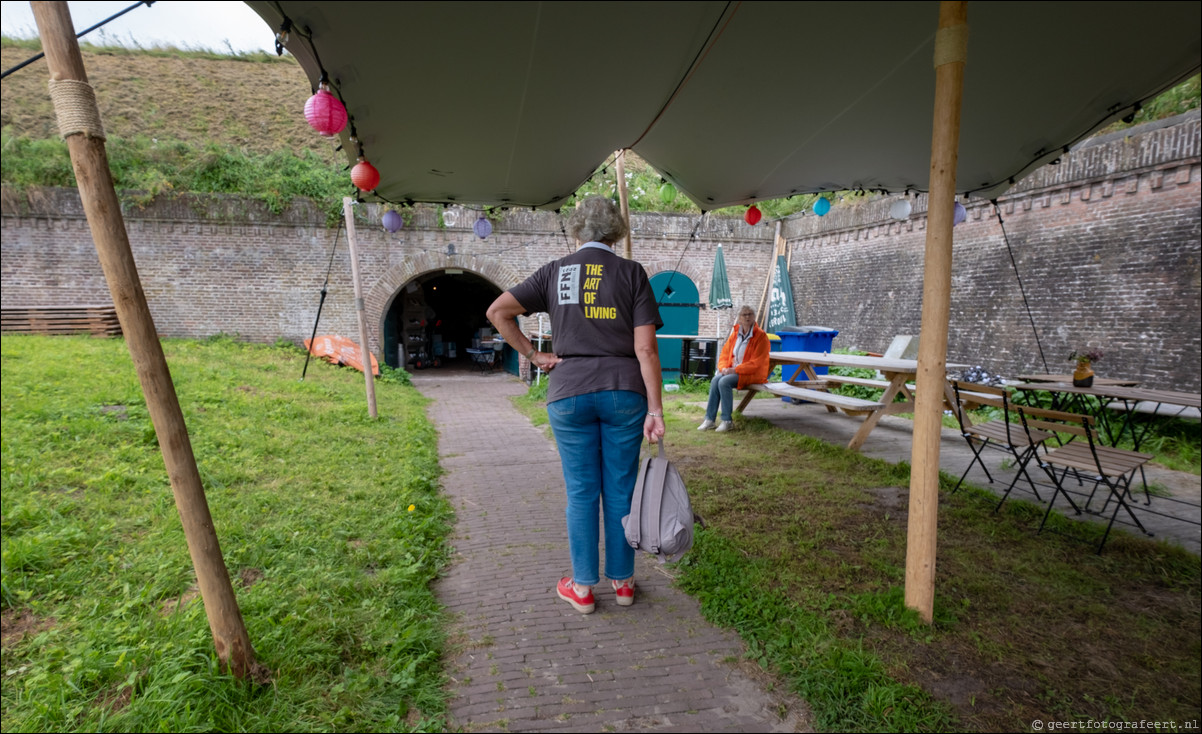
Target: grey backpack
664, 524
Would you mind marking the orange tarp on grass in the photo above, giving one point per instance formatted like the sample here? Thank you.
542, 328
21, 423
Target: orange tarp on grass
340, 350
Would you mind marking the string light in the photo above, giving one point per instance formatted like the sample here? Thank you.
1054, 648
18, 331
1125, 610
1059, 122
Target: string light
281, 37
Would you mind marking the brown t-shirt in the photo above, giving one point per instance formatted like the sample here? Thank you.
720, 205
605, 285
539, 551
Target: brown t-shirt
595, 300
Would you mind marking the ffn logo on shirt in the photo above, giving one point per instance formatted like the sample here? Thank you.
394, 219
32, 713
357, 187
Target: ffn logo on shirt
569, 284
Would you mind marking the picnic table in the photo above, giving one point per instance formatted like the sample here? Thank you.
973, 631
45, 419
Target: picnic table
805, 384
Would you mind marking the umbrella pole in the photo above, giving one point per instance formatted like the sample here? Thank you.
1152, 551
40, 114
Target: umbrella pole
79, 121
951, 43
348, 212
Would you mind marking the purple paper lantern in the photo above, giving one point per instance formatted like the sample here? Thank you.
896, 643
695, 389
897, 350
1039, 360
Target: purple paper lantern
959, 213
392, 221
482, 227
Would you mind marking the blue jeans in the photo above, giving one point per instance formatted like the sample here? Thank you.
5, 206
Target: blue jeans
599, 435
722, 388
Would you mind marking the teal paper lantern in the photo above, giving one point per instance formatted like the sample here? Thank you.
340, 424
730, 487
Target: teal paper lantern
822, 206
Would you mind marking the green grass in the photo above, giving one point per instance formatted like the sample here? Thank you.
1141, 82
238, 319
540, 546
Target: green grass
331, 524
804, 557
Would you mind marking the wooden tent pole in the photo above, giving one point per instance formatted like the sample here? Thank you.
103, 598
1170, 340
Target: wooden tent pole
624, 200
79, 122
761, 315
348, 211
951, 44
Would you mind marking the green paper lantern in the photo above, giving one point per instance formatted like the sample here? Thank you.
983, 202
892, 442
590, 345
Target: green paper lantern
667, 193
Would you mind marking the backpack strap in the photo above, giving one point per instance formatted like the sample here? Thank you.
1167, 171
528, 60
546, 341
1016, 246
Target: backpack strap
659, 471
659, 478
634, 525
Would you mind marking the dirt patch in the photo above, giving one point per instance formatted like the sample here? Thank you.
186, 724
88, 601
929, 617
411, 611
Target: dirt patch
173, 605
116, 412
248, 577
15, 625
115, 701
891, 498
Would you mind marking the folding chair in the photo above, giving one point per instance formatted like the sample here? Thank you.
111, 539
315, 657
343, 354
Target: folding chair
1087, 460
1000, 433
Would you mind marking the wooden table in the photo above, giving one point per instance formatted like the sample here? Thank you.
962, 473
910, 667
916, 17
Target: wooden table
898, 373
1066, 378
1066, 395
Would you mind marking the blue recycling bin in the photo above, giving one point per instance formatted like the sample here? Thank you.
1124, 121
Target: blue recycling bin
803, 339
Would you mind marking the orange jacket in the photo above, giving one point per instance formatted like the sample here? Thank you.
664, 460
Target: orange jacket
754, 368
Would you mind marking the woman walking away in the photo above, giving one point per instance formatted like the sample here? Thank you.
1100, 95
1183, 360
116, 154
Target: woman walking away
604, 387
743, 362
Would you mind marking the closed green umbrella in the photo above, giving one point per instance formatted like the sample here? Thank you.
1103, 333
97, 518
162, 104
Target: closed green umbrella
719, 284
720, 289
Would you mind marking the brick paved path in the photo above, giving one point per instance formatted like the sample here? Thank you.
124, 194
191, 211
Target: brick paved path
521, 659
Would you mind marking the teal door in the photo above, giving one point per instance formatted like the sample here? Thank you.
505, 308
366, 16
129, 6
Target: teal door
680, 308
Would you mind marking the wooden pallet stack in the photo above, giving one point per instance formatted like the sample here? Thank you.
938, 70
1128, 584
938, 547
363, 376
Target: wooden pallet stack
53, 320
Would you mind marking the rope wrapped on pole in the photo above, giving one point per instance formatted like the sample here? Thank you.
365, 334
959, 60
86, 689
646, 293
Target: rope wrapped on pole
76, 109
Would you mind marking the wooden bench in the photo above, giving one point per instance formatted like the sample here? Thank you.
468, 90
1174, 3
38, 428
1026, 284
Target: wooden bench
831, 400
862, 381
55, 320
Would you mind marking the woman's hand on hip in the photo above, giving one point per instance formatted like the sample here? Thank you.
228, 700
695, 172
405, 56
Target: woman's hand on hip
653, 428
545, 361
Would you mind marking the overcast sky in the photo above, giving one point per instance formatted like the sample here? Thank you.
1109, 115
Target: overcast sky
215, 26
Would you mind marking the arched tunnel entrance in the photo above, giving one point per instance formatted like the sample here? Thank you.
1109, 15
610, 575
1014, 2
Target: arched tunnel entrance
436, 317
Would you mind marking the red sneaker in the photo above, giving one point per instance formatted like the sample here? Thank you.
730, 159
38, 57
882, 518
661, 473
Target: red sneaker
583, 604
624, 591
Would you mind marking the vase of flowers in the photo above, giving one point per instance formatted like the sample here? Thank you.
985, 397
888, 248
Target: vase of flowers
1083, 374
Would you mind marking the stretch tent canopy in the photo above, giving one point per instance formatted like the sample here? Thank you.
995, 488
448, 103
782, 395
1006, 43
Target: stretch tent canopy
517, 103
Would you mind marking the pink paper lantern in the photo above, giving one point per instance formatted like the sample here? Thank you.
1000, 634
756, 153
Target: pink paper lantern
365, 176
392, 221
753, 215
325, 113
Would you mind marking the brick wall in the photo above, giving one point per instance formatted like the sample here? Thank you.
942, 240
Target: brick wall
1106, 243
222, 264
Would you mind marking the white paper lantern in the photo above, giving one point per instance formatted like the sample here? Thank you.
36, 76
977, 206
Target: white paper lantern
900, 209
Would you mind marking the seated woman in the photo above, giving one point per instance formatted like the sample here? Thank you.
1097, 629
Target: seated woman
743, 362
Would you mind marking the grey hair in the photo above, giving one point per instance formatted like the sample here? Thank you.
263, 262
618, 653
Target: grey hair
746, 308
597, 219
